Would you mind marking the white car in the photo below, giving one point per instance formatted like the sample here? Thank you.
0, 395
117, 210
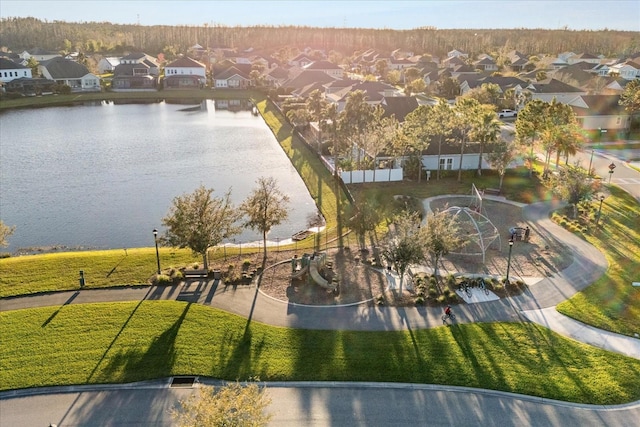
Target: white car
506, 113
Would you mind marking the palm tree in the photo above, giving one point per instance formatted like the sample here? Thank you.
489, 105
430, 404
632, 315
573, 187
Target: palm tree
529, 125
316, 105
487, 130
464, 119
440, 123
416, 128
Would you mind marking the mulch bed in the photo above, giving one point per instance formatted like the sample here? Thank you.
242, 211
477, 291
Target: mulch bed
361, 280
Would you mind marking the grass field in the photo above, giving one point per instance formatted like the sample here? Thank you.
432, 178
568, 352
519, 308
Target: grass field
611, 303
130, 341
122, 342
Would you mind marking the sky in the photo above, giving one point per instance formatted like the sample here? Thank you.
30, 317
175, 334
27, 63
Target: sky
443, 14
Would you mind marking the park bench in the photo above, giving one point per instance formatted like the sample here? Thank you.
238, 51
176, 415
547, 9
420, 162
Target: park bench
492, 191
196, 274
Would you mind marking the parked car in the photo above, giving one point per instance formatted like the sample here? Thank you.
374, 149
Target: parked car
507, 113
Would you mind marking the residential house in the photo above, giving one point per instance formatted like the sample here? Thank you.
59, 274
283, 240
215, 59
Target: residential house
301, 60
327, 67
628, 70
462, 70
70, 73
144, 61
39, 54
306, 78
453, 61
10, 70
457, 54
400, 63
276, 76
583, 57
486, 64
29, 86
601, 113
374, 92
108, 64
185, 66
518, 61
450, 157
503, 82
232, 78
576, 75
554, 89
399, 106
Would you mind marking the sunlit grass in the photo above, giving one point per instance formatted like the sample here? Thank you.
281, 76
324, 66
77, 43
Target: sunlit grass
60, 271
611, 302
123, 342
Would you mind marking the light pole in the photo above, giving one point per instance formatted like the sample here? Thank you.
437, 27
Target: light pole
509, 261
599, 209
155, 237
590, 162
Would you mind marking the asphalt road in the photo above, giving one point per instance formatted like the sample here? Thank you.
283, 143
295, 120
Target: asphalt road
320, 405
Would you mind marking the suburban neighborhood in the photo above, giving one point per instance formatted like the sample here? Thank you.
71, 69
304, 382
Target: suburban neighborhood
465, 205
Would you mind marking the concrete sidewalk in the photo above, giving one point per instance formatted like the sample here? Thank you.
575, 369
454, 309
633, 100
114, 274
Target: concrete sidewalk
536, 305
566, 326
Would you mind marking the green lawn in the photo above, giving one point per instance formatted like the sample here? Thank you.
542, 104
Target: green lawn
611, 302
123, 342
60, 271
130, 341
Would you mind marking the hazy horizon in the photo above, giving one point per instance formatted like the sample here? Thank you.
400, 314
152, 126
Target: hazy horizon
621, 15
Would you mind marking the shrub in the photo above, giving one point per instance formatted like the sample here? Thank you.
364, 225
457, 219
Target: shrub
163, 279
419, 300
433, 292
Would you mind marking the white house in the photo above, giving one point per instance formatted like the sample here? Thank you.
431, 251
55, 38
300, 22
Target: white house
107, 65
39, 54
628, 70
186, 66
9, 70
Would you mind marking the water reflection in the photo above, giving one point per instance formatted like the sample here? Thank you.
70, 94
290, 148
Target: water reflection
103, 176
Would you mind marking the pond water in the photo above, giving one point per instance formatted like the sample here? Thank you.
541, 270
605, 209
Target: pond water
103, 176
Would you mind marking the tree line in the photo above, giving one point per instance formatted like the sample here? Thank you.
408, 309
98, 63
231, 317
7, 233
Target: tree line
107, 38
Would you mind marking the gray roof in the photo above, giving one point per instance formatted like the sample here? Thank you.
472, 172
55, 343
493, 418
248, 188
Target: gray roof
7, 64
61, 68
553, 86
399, 106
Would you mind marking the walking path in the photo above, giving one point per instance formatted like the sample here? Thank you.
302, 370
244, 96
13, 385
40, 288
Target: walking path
536, 305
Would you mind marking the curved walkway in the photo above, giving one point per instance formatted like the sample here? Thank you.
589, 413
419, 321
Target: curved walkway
536, 305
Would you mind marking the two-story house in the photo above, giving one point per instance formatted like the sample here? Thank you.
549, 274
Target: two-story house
9, 70
185, 73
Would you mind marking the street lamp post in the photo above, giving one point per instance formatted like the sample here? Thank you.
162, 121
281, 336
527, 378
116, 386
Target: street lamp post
612, 166
590, 162
155, 237
599, 209
509, 261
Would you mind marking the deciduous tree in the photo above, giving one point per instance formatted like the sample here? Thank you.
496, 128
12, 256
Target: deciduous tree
402, 247
199, 221
230, 405
5, 232
439, 235
265, 208
500, 156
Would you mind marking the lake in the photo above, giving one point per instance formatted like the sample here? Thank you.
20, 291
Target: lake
103, 176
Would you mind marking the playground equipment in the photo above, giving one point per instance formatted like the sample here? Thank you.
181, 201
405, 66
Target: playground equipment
311, 265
